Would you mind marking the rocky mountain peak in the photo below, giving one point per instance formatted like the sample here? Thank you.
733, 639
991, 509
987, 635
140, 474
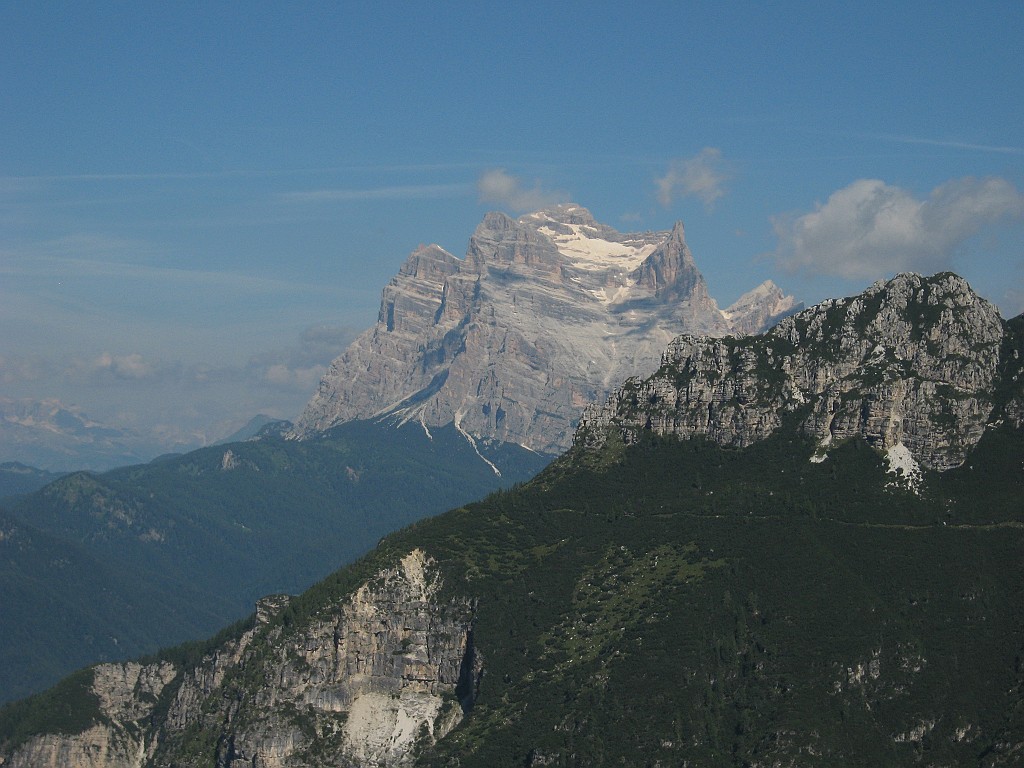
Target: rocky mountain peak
760, 308
910, 366
670, 270
563, 213
545, 314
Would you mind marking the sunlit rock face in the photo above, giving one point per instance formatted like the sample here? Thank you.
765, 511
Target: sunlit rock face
910, 362
545, 314
363, 681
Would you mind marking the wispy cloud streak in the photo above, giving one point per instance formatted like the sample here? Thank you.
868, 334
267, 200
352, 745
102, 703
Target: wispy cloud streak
48, 265
952, 144
701, 176
403, 192
14, 181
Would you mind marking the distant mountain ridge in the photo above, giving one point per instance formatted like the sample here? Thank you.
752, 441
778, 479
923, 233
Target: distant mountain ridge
17, 478
258, 425
545, 314
56, 436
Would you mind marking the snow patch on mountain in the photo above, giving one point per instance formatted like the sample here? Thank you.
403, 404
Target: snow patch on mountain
586, 250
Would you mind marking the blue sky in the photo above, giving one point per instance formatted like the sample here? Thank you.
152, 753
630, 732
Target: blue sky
200, 202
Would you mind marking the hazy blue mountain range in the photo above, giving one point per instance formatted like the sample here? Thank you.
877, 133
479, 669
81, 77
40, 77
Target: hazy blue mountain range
59, 437
17, 479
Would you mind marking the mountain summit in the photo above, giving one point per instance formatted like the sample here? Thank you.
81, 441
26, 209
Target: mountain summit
545, 314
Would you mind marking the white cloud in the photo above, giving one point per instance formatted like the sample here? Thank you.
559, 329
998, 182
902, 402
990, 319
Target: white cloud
498, 186
48, 260
129, 367
701, 176
870, 229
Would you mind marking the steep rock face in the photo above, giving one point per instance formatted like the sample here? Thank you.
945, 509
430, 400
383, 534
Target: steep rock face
125, 696
389, 667
911, 362
365, 683
545, 314
760, 309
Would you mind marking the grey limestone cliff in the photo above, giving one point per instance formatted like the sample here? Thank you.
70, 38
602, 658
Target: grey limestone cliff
358, 683
545, 314
910, 366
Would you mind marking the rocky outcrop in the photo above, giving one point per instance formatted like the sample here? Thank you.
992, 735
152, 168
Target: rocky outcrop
545, 314
388, 668
911, 362
125, 695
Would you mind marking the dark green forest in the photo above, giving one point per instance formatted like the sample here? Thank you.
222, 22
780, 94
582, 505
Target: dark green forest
691, 603
677, 603
98, 567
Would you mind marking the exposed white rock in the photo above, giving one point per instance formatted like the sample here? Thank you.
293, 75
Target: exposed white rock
382, 729
759, 309
902, 464
916, 733
229, 461
360, 683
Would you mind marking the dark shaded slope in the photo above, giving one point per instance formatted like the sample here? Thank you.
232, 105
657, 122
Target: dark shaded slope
63, 608
673, 607
176, 548
681, 602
